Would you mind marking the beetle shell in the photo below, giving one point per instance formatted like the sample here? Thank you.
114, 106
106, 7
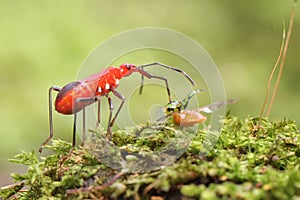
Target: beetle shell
188, 118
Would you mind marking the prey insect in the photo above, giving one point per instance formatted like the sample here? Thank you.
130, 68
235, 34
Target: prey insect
184, 117
77, 95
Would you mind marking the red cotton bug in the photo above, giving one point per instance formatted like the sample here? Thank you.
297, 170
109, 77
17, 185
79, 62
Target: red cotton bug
185, 118
76, 95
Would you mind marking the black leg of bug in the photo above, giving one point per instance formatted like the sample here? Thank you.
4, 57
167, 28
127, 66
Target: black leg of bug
122, 98
79, 100
111, 120
142, 81
111, 107
83, 127
57, 89
99, 113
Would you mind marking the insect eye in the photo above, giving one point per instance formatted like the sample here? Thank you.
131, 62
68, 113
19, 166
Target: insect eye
170, 109
128, 66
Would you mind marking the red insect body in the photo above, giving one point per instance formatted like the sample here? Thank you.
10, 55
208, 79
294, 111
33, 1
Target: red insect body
95, 85
76, 95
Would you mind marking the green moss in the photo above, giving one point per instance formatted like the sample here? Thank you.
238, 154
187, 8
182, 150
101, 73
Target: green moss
249, 161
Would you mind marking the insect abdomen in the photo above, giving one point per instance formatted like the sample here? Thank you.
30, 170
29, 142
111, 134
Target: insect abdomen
188, 118
68, 95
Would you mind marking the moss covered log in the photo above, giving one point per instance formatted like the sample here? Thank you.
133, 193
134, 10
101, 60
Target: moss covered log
249, 161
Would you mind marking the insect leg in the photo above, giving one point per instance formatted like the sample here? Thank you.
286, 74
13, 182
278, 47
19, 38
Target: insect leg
99, 114
83, 127
92, 99
142, 82
120, 96
55, 88
111, 120
111, 107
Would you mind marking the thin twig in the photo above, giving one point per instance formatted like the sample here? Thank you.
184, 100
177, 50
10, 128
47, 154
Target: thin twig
283, 58
95, 188
272, 73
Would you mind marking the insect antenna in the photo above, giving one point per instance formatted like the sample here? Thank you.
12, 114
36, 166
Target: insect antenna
187, 99
141, 68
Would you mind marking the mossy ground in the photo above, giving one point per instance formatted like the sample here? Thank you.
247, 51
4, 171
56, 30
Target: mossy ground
247, 162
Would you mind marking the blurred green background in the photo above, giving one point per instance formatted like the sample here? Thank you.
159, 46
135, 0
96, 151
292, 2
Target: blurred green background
43, 43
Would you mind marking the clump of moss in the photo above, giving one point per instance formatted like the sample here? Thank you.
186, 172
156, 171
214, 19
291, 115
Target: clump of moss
251, 160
